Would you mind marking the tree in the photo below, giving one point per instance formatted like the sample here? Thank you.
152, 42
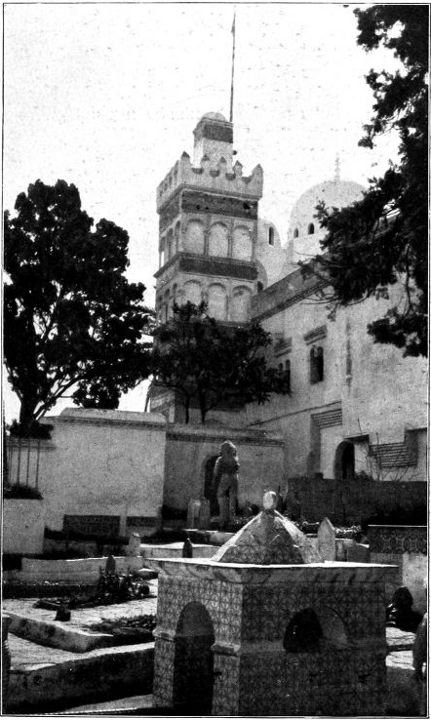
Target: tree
72, 320
208, 363
382, 239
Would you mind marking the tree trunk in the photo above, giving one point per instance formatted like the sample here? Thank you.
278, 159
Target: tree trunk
26, 413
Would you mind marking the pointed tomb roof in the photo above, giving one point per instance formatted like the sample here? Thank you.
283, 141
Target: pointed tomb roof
268, 539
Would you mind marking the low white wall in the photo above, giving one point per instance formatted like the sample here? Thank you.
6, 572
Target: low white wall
70, 571
23, 525
105, 464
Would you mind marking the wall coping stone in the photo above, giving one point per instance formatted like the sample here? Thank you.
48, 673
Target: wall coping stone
109, 417
342, 573
186, 433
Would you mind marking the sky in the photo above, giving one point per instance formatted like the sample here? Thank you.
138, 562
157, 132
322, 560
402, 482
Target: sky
106, 96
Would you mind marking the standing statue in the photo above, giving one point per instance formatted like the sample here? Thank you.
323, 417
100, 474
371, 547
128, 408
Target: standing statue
225, 480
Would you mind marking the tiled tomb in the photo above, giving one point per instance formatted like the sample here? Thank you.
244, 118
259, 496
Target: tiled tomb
264, 628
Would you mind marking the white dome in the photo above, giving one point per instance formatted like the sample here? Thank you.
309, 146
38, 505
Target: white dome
213, 116
334, 193
305, 233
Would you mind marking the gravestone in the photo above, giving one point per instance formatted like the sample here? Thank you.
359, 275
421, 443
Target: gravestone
204, 514
134, 546
326, 540
110, 566
193, 510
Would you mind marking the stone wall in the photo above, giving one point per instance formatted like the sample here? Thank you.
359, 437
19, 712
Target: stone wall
104, 470
189, 449
23, 525
350, 501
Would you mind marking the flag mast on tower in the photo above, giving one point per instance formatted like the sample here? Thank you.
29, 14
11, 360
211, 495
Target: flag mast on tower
233, 67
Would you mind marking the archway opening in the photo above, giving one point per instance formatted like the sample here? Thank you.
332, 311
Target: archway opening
303, 633
193, 661
344, 465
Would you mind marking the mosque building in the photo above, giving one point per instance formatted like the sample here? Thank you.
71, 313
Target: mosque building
354, 405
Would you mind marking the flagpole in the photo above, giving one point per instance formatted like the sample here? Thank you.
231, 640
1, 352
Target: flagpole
233, 68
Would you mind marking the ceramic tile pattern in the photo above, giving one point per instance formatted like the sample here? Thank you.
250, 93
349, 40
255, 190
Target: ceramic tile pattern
252, 673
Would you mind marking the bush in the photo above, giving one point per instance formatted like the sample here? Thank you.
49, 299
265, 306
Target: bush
36, 430
21, 492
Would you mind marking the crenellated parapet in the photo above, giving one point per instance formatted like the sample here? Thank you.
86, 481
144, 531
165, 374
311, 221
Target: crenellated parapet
217, 177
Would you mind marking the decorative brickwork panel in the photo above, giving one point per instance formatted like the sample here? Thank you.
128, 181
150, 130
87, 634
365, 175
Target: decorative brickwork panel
398, 539
226, 685
204, 265
164, 653
201, 202
337, 683
268, 610
92, 524
223, 602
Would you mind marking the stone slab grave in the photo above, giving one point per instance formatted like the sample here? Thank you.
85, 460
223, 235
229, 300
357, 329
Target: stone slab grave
39, 625
326, 542
266, 628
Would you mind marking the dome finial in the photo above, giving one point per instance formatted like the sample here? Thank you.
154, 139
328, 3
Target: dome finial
337, 168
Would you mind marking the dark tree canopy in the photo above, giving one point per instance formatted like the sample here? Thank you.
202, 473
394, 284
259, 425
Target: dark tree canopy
209, 363
72, 320
383, 238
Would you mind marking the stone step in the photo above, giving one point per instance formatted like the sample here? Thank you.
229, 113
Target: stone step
49, 680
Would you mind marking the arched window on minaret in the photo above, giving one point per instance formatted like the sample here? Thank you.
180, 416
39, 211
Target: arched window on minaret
218, 244
295, 233
194, 240
170, 241
240, 305
176, 238
192, 292
217, 302
311, 229
242, 243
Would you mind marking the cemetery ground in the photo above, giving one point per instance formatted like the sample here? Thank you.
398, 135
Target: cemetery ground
50, 672
118, 678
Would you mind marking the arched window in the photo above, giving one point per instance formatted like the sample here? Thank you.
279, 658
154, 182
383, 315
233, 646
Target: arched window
218, 244
170, 244
311, 229
316, 365
287, 374
177, 238
242, 244
192, 292
295, 233
271, 236
259, 286
217, 302
240, 305
162, 251
194, 240
167, 308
